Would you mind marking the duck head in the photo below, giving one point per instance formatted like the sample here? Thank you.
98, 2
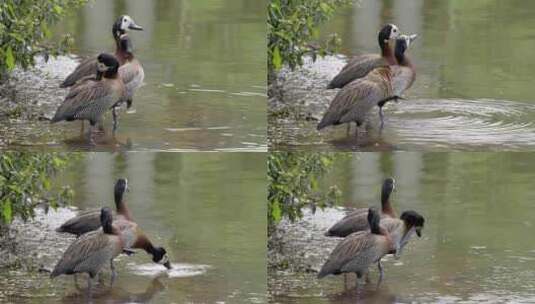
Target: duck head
389, 185
159, 255
373, 220
403, 43
413, 221
123, 24
121, 186
106, 219
388, 32
107, 66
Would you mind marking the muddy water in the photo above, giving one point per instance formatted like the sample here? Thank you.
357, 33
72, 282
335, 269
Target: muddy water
204, 86
474, 247
206, 210
472, 91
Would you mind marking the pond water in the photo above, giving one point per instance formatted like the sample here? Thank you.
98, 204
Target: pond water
207, 210
472, 90
205, 78
474, 248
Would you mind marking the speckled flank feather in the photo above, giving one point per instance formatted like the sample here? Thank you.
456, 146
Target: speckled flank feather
84, 222
88, 254
357, 67
86, 68
132, 74
355, 100
356, 253
90, 100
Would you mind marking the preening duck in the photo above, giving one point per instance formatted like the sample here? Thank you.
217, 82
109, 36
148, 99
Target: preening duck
89, 253
88, 66
358, 219
354, 101
91, 98
360, 66
359, 250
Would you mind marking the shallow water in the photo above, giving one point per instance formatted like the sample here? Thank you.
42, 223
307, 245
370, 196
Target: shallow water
205, 74
473, 248
472, 90
205, 209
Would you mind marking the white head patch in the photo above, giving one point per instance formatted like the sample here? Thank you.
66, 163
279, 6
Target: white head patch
394, 32
126, 22
102, 67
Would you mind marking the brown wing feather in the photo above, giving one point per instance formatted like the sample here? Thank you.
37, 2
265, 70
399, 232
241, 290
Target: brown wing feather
82, 248
345, 251
357, 67
87, 67
85, 95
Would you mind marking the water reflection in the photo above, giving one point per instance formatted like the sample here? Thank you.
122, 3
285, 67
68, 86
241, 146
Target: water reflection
205, 209
477, 209
472, 90
205, 70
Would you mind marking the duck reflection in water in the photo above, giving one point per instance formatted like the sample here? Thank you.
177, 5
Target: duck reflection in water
103, 293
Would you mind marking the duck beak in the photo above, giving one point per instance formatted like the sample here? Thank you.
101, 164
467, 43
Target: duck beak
167, 265
419, 231
135, 27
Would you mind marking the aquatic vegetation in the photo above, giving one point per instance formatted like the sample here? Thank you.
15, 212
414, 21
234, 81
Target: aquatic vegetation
25, 29
294, 184
293, 24
26, 182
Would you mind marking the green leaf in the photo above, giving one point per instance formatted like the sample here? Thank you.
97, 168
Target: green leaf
7, 212
10, 59
276, 212
277, 59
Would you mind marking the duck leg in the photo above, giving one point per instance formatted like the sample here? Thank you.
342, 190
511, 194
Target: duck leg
381, 272
82, 127
348, 129
114, 114
382, 117
113, 272
89, 285
92, 133
129, 103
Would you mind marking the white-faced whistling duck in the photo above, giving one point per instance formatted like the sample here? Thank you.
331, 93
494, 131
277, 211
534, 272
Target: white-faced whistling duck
354, 101
88, 66
359, 250
357, 220
360, 66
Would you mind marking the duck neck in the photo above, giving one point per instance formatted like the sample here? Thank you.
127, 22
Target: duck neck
112, 74
386, 207
108, 228
144, 243
386, 52
120, 205
123, 56
99, 75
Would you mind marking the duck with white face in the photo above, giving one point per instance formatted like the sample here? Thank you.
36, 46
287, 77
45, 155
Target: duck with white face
87, 67
360, 66
355, 100
91, 98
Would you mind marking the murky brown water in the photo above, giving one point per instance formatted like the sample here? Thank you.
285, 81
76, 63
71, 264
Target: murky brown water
472, 90
207, 210
475, 246
205, 78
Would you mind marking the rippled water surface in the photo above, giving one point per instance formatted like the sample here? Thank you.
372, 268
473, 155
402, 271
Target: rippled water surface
475, 246
204, 86
472, 91
208, 211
